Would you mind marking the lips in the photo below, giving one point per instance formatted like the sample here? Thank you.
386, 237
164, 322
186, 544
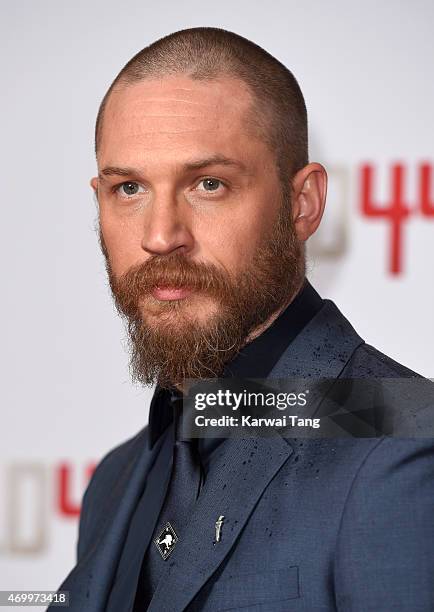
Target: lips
171, 293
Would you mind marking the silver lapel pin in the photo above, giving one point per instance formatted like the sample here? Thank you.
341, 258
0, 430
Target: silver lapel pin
218, 527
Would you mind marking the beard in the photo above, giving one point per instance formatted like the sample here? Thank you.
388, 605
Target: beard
167, 344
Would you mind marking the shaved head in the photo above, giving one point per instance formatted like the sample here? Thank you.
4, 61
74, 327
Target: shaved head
277, 113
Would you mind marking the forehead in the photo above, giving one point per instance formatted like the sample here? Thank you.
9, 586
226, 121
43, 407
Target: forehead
177, 114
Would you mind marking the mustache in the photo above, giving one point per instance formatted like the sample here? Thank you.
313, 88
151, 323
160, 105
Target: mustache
173, 270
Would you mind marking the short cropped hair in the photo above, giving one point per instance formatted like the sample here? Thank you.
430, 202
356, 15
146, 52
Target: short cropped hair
279, 110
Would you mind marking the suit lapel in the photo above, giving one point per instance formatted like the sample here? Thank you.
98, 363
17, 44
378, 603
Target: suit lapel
235, 485
91, 579
322, 349
141, 527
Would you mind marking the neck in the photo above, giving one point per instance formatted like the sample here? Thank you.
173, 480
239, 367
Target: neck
263, 326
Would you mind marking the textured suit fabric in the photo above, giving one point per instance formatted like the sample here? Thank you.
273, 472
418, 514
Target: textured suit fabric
313, 525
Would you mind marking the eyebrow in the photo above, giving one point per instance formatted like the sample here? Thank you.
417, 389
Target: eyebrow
213, 160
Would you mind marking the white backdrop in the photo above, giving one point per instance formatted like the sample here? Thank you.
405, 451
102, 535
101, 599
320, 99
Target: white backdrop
366, 71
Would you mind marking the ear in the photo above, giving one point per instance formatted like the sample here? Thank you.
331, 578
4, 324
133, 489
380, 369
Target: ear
309, 190
94, 184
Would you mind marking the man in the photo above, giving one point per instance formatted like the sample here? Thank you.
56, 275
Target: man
206, 198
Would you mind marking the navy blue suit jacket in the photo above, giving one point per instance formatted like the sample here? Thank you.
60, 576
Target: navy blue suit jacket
313, 525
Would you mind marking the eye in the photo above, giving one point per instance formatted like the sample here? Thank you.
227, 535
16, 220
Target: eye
129, 189
210, 184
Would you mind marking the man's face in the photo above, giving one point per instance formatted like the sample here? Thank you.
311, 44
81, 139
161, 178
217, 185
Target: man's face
189, 200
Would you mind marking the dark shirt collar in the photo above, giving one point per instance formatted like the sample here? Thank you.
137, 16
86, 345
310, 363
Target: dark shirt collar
255, 360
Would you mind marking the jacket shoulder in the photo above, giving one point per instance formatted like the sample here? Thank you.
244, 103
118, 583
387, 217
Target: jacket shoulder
369, 361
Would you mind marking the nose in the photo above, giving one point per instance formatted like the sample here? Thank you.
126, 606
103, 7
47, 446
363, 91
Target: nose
167, 226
